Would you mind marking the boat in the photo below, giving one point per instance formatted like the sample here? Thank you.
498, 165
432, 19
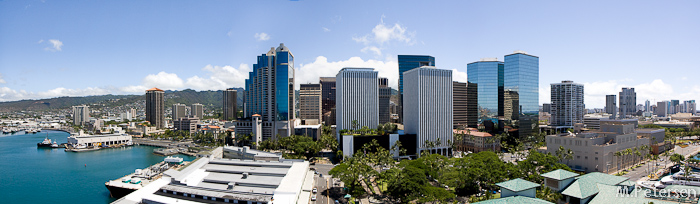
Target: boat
55, 145
679, 178
38, 130
45, 143
141, 177
27, 131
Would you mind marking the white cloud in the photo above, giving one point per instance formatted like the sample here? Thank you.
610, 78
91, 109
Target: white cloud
2, 81
382, 35
262, 36
220, 78
40, 41
374, 49
310, 73
326, 29
459, 76
56, 45
163, 80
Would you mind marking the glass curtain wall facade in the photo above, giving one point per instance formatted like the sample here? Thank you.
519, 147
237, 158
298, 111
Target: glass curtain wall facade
408, 62
521, 81
486, 77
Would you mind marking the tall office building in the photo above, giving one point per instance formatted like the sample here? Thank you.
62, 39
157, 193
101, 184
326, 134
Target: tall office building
521, 81
155, 107
647, 106
459, 104
178, 111
384, 101
81, 114
357, 99
197, 110
567, 104
662, 108
628, 102
408, 62
428, 107
486, 77
270, 94
310, 103
230, 104
547, 108
472, 105
611, 105
328, 99
673, 109
689, 106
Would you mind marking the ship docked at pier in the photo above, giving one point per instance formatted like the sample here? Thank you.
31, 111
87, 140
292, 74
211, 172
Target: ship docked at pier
141, 177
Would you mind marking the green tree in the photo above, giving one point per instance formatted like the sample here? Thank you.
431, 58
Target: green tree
546, 193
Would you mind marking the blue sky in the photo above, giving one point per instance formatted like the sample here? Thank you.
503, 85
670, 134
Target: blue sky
75, 48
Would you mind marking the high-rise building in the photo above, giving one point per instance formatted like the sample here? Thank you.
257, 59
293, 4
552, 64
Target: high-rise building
567, 104
521, 81
81, 114
662, 108
673, 109
486, 76
178, 111
384, 101
647, 106
155, 107
547, 108
611, 105
689, 106
310, 103
628, 102
328, 99
357, 99
428, 108
408, 62
230, 104
197, 110
459, 104
472, 105
270, 94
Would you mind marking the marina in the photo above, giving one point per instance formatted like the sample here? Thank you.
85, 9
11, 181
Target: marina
61, 174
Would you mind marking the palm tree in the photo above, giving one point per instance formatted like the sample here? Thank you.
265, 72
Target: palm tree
547, 194
569, 156
618, 154
354, 124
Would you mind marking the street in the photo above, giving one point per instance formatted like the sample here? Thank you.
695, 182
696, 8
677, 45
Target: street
322, 183
650, 166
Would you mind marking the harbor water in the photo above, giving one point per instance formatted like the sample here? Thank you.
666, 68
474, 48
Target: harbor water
43, 175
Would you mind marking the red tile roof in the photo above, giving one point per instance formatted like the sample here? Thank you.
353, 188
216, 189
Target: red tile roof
154, 89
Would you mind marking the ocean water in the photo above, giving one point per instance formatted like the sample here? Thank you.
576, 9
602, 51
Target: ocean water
32, 175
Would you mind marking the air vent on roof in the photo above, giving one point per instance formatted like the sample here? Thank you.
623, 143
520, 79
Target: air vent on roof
245, 175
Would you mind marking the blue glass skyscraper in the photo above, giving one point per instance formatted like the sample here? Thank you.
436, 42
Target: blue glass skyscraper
408, 62
270, 94
521, 88
486, 77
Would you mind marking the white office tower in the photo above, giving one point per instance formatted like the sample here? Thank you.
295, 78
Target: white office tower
178, 111
357, 98
427, 93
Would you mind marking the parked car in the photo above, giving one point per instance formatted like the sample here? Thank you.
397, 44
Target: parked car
313, 197
315, 190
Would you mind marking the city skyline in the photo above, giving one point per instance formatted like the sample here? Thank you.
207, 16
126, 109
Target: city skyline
208, 47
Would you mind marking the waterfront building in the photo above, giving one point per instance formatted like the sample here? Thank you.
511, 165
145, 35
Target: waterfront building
628, 102
310, 104
81, 114
186, 123
428, 108
486, 79
521, 81
214, 180
384, 101
471, 140
408, 62
98, 140
245, 153
357, 99
197, 110
155, 107
459, 104
567, 104
178, 111
230, 104
611, 105
270, 94
328, 99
